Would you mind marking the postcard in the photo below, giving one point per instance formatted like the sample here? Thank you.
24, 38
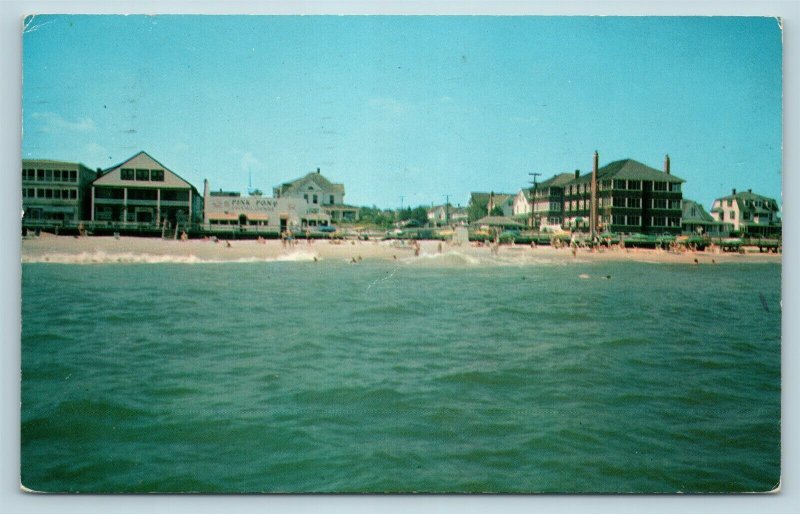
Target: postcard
401, 254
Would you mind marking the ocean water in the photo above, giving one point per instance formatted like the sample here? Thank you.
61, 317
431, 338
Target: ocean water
400, 377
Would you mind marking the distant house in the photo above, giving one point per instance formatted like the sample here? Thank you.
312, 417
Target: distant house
502, 201
748, 212
143, 191
521, 206
695, 220
320, 193
54, 192
447, 215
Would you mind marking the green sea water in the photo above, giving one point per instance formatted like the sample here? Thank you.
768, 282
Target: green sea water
396, 377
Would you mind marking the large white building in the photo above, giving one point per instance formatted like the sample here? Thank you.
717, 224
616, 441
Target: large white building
226, 211
320, 192
748, 212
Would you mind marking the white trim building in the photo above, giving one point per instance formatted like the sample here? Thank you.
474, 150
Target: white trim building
319, 192
226, 211
143, 192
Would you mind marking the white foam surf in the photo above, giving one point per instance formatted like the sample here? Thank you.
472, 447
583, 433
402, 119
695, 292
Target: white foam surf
101, 257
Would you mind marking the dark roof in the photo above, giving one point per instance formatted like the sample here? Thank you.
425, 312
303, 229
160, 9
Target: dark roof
479, 198
557, 180
501, 198
54, 162
749, 196
630, 170
700, 216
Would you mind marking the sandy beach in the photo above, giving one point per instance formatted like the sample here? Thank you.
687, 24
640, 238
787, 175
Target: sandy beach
65, 249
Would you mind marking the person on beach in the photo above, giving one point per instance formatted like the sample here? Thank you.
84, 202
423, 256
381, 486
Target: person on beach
184, 237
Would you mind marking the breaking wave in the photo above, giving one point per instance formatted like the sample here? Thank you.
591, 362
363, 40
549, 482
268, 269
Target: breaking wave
454, 258
100, 257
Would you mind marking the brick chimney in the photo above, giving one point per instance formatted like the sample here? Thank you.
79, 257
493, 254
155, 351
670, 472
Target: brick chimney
666, 164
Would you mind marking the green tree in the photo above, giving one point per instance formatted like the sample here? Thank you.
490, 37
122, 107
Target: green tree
477, 209
420, 214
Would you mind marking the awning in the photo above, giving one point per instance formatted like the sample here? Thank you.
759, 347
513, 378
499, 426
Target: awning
227, 216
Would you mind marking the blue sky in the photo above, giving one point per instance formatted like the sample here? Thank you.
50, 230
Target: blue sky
419, 107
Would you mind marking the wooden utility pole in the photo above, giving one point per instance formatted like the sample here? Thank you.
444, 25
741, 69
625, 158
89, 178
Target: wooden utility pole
533, 198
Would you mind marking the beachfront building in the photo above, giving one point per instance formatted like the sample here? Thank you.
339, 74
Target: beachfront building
749, 213
696, 221
319, 192
142, 192
228, 210
548, 207
54, 193
630, 198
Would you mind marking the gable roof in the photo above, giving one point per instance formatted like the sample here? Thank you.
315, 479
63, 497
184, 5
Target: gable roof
525, 192
141, 159
745, 200
700, 215
479, 198
557, 180
295, 186
628, 169
501, 198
